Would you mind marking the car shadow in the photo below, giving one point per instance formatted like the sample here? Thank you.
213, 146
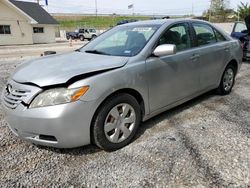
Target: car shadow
91, 149
172, 112
84, 150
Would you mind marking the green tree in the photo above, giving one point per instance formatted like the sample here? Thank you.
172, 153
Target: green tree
218, 5
219, 10
243, 10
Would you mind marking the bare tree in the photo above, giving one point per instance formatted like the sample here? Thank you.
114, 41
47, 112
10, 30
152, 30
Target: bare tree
219, 9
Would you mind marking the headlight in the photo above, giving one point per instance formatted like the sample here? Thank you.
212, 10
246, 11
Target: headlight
58, 96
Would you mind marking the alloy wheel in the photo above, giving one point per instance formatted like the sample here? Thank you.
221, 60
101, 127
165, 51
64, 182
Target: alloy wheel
228, 79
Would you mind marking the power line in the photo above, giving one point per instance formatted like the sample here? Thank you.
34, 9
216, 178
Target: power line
197, 7
96, 10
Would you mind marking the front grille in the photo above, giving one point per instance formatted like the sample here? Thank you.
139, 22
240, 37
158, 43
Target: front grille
16, 93
13, 96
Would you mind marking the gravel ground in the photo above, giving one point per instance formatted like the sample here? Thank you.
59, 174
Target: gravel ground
202, 143
24, 52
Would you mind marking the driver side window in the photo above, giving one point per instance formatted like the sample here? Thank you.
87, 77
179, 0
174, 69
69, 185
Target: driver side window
177, 35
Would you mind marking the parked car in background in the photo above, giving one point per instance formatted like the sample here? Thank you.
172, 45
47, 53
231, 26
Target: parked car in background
88, 34
100, 93
241, 31
126, 21
72, 35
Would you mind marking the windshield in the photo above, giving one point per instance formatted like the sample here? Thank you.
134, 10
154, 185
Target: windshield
122, 41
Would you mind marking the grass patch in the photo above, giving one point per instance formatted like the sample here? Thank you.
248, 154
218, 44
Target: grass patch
99, 22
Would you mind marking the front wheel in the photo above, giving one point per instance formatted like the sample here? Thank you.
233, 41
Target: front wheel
116, 122
227, 80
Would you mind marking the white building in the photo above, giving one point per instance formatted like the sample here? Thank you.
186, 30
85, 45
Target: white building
25, 23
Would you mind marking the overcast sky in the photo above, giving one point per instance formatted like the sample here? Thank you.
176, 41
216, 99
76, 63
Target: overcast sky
161, 7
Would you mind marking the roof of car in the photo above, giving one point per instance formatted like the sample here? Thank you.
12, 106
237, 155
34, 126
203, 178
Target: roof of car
35, 11
163, 21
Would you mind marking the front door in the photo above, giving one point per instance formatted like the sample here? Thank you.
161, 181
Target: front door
174, 77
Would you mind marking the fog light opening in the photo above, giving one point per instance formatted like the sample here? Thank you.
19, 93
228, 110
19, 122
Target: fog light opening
48, 138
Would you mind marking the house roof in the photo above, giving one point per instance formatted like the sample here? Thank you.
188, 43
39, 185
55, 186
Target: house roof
35, 11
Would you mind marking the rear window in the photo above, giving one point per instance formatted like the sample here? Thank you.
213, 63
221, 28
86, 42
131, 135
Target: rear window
92, 30
204, 34
219, 36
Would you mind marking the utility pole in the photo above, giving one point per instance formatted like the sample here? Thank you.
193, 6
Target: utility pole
192, 9
210, 10
96, 9
133, 9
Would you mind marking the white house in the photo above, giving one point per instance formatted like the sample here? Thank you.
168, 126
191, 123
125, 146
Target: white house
25, 23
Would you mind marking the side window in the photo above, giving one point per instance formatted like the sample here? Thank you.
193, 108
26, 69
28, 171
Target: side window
177, 35
38, 30
5, 29
219, 36
92, 30
204, 34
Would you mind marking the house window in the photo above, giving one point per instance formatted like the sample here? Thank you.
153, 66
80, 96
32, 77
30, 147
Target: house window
5, 29
38, 30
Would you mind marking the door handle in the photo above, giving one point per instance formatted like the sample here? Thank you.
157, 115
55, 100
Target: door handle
226, 49
194, 57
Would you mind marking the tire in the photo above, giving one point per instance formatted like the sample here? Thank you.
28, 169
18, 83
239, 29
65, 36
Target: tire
81, 38
118, 134
93, 37
227, 81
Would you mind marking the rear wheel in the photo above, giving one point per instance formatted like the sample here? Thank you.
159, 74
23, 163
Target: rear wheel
93, 37
227, 81
116, 122
82, 38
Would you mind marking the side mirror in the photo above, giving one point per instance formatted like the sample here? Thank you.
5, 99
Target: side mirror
164, 50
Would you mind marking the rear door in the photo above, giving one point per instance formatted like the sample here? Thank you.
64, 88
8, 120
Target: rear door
87, 34
212, 54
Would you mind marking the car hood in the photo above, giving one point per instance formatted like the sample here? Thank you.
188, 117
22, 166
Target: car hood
59, 69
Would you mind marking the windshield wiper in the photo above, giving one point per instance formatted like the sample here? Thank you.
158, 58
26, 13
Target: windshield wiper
96, 52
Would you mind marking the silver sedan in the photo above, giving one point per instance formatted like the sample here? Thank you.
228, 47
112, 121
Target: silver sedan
100, 93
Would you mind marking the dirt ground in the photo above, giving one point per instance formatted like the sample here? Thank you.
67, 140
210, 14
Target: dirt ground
202, 143
24, 52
